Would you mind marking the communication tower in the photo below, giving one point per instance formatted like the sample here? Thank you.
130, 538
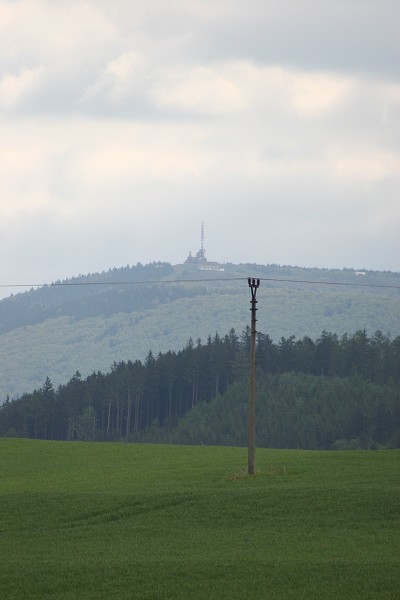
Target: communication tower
200, 259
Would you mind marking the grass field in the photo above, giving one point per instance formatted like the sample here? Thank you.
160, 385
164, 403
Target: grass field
145, 521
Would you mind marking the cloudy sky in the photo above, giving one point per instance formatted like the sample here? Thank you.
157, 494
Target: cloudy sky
124, 125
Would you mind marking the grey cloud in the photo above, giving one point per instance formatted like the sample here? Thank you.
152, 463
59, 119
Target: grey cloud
351, 36
341, 37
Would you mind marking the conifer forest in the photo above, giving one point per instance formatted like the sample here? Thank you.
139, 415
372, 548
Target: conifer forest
328, 393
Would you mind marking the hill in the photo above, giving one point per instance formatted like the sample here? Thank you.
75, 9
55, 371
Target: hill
100, 521
89, 322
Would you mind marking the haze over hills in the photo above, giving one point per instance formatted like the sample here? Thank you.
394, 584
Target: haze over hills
89, 322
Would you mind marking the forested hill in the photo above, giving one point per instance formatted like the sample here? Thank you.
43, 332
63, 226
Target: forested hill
109, 292
90, 295
324, 393
89, 322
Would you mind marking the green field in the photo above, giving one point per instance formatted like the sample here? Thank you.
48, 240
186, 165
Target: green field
96, 521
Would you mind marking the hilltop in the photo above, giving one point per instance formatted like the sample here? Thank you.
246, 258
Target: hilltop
88, 322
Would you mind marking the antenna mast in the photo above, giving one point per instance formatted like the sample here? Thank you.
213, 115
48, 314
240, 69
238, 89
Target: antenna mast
202, 252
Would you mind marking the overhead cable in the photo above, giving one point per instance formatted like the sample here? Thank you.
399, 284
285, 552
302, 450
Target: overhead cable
201, 280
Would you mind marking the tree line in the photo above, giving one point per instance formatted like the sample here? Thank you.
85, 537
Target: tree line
166, 397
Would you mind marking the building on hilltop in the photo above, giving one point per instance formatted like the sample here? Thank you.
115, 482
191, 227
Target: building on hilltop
200, 259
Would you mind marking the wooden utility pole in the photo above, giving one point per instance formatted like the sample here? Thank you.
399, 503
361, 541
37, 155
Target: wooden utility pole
254, 284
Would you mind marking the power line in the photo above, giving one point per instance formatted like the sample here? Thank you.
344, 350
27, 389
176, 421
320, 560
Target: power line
342, 283
144, 282
201, 280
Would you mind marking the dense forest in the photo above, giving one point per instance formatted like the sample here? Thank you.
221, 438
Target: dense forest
91, 321
109, 292
89, 295
326, 393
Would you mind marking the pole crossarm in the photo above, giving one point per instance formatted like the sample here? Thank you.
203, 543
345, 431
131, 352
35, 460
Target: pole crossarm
254, 284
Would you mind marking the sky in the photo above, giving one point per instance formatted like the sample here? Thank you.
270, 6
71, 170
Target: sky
124, 125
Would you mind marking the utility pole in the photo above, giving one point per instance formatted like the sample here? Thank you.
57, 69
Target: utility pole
254, 284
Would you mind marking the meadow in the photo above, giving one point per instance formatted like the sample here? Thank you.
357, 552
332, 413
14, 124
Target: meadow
127, 521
